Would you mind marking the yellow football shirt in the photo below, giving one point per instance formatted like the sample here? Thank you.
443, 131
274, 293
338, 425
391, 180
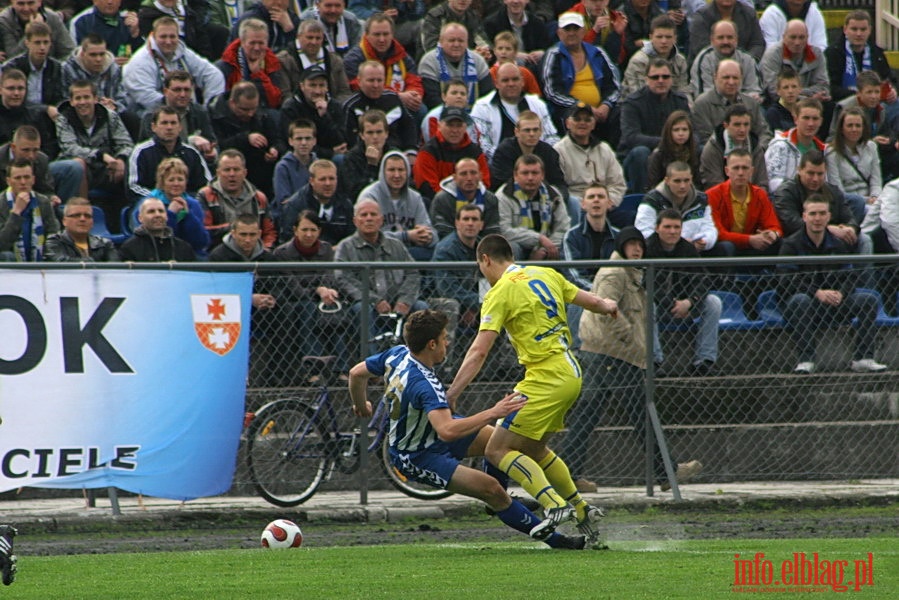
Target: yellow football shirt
529, 302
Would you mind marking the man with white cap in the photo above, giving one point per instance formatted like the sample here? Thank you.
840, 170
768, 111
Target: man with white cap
576, 71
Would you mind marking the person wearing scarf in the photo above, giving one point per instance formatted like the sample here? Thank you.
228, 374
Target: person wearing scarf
342, 29
532, 214
249, 58
26, 218
281, 21
308, 51
379, 44
452, 59
853, 53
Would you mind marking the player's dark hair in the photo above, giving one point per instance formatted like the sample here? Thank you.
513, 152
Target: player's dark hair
496, 247
423, 326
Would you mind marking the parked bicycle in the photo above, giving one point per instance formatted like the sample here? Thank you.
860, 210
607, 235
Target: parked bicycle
295, 444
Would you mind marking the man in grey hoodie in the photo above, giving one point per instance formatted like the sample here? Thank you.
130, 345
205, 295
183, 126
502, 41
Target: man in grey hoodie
405, 216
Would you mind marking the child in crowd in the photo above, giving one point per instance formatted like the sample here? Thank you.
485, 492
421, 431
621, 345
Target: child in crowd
678, 143
291, 172
505, 49
780, 114
456, 96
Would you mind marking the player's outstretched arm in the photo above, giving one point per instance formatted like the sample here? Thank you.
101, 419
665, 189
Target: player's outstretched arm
594, 303
471, 364
359, 376
450, 429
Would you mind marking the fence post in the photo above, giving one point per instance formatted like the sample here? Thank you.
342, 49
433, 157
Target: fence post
653, 425
362, 422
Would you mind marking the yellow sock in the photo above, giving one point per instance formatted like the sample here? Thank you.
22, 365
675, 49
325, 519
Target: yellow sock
530, 476
557, 474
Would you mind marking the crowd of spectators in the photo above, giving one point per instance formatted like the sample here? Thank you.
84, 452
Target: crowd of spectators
208, 134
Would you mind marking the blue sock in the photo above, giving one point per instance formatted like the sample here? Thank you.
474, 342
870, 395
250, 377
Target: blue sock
500, 476
517, 516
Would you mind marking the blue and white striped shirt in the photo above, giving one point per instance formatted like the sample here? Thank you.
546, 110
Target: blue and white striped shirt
413, 390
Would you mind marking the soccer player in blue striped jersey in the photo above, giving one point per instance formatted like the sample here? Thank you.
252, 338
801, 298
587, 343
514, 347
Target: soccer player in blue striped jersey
428, 442
529, 303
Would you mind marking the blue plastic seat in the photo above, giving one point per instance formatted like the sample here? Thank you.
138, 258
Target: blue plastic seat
733, 317
625, 213
768, 310
883, 319
100, 228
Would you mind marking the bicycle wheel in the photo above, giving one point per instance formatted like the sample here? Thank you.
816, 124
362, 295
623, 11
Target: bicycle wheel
288, 452
404, 484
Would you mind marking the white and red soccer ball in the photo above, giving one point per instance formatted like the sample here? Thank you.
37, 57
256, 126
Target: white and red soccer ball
282, 533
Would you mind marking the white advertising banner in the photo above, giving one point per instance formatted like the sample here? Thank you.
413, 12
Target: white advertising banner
132, 379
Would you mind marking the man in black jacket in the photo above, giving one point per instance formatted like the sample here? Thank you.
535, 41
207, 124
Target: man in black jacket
812, 296
643, 114
154, 241
240, 123
683, 293
792, 193
196, 127
165, 143
322, 197
50, 91
311, 101
75, 242
866, 56
403, 130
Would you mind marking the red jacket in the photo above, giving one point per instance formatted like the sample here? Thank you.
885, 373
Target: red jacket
398, 56
262, 79
760, 215
437, 160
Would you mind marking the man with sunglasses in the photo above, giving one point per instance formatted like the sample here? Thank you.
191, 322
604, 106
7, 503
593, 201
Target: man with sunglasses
75, 242
643, 115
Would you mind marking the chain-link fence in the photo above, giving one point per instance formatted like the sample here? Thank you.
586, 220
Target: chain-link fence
732, 402
727, 395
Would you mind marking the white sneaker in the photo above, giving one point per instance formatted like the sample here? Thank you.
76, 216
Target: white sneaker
808, 367
867, 365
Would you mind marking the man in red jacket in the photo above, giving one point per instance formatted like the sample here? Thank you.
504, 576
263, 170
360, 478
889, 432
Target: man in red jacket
744, 216
249, 58
438, 157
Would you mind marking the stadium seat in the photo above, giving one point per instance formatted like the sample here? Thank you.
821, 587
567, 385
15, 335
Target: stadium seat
124, 221
883, 319
768, 310
733, 318
101, 229
625, 213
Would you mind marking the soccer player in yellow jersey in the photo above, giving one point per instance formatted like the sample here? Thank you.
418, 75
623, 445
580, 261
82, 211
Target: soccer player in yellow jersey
529, 302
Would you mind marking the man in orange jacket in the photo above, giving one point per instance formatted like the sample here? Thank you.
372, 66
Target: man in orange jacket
744, 216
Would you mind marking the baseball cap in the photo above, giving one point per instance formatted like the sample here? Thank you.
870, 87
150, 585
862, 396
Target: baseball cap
579, 107
452, 112
312, 72
571, 18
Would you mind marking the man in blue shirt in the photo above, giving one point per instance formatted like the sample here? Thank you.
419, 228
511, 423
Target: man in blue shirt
427, 442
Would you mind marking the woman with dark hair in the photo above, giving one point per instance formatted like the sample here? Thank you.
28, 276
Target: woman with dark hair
314, 297
678, 143
853, 164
